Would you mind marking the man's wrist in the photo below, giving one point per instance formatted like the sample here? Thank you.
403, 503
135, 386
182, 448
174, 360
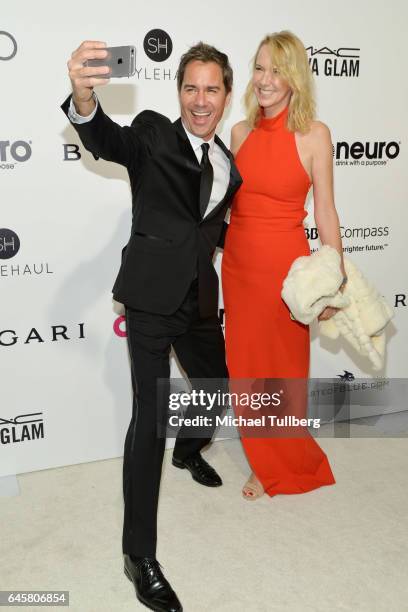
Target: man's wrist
84, 107
91, 97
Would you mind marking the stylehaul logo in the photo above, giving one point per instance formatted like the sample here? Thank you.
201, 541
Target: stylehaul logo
340, 62
14, 152
158, 47
9, 248
368, 153
22, 428
9, 243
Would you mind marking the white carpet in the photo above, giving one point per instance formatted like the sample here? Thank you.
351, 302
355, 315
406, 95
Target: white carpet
342, 547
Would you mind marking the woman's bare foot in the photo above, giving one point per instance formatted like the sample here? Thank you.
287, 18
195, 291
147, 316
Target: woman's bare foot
252, 488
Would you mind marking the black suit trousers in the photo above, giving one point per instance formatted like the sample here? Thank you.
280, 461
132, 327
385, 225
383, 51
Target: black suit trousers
199, 347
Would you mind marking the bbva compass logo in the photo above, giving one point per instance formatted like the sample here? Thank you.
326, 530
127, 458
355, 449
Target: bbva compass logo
8, 45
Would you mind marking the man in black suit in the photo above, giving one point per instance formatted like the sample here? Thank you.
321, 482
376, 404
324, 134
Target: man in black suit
182, 178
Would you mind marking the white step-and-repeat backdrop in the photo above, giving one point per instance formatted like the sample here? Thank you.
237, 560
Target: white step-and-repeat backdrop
65, 384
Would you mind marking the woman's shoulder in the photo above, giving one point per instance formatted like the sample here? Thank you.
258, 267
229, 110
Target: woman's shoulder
241, 128
317, 138
239, 133
318, 129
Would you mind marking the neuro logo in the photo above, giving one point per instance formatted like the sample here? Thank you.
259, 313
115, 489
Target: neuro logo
10, 45
366, 154
11, 153
158, 45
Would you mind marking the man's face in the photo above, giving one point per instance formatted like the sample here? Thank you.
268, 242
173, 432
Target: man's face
202, 98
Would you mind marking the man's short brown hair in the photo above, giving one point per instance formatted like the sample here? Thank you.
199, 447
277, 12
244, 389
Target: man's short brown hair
206, 53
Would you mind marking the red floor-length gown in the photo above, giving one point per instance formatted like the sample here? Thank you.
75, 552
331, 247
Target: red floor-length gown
265, 235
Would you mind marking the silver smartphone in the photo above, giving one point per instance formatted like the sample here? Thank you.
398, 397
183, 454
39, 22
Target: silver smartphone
121, 61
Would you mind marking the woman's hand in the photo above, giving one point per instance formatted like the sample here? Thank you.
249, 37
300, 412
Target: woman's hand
327, 313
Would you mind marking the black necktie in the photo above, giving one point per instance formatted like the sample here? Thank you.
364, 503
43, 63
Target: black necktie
207, 176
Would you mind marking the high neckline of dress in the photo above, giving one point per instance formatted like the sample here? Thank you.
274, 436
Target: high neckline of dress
274, 123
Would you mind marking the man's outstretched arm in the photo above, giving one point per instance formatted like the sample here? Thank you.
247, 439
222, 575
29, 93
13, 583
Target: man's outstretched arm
98, 133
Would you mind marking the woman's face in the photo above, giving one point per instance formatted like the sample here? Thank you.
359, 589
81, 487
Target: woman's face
271, 90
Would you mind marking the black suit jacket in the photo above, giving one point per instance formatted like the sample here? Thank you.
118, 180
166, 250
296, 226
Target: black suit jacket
169, 241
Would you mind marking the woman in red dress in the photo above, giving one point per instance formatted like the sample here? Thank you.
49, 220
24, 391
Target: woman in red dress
281, 151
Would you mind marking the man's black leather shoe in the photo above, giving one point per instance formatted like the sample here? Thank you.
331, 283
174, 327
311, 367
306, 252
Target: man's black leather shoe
200, 470
152, 588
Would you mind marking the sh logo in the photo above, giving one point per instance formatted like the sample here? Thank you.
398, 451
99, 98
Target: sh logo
158, 45
11, 50
9, 243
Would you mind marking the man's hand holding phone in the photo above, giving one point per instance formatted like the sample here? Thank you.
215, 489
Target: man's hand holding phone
85, 78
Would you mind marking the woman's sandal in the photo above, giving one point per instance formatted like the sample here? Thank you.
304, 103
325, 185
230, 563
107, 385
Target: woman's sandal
252, 489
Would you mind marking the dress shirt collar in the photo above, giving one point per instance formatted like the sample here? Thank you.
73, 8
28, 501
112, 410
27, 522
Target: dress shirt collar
196, 141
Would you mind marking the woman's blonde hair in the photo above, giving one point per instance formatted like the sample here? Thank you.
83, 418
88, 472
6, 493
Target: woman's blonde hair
289, 56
